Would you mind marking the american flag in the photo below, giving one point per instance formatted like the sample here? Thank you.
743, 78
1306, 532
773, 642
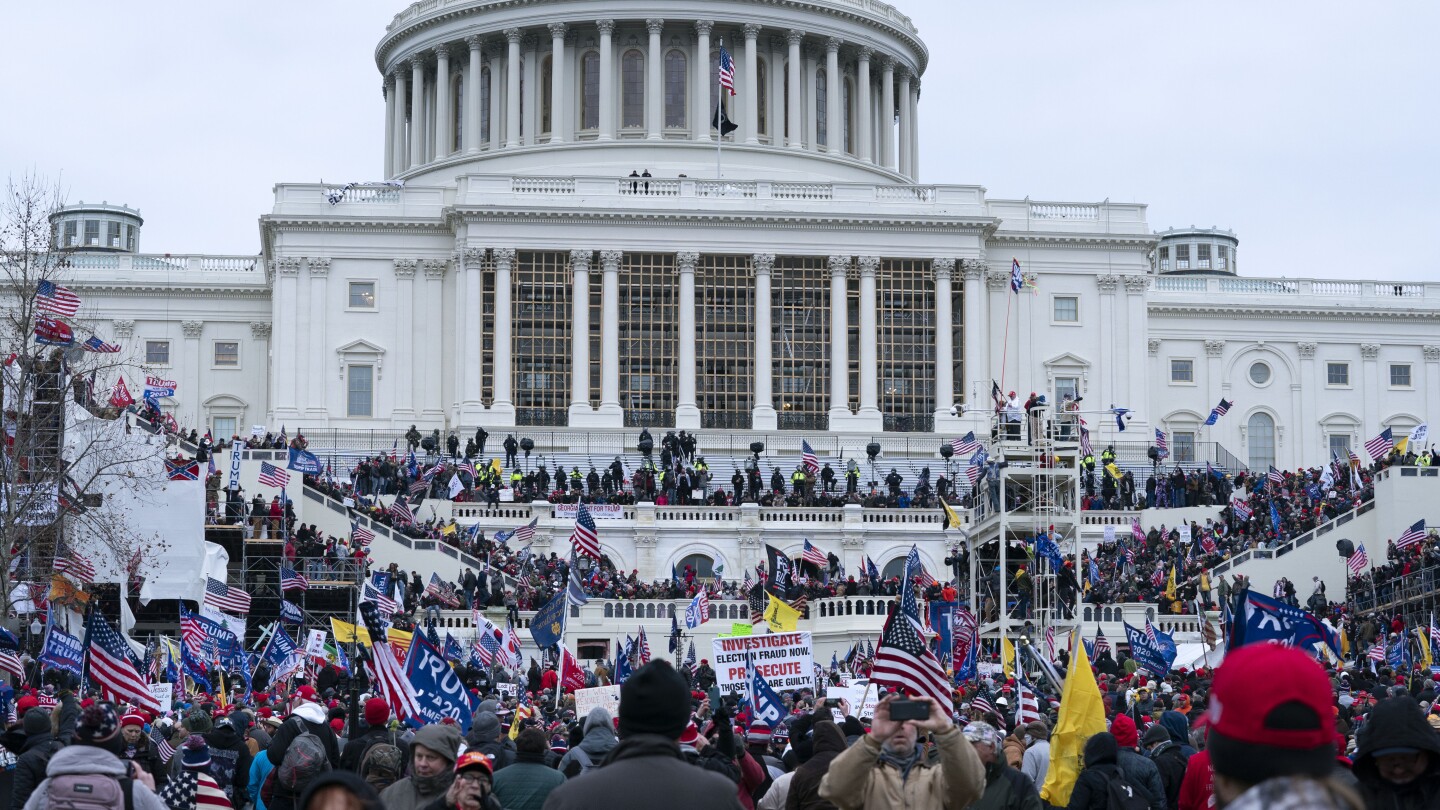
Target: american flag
1086, 449
727, 70
966, 445
1412, 536
272, 476
467, 468
1150, 633
1276, 477
1240, 509
1050, 642
690, 657
360, 535
1358, 561
982, 705
51, 297
814, 555
757, 603
387, 676
642, 649
10, 662
1381, 445
525, 534
192, 634
74, 566
1162, 444
419, 487
585, 538
1219, 411
1158, 578
1027, 708
1354, 459
1377, 653
903, 660
973, 473
808, 458
1101, 644
401, 510
292, 580
113, 667
1434, 632
95, 344
162, 744
223, 597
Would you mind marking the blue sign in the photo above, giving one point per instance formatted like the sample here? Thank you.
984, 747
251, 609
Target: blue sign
453, 651
1155, 656
305, 462
62, 651
941, 614
1260, 618
290, 612
438, 690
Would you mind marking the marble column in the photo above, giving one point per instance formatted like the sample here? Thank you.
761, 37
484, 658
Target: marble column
607, 80
512, 89
687, 412
405, 336
887, 113
318, 312
862, 106
905, 123
287, 282
654, 82
944, 338
704, 75
834, 98
494, 132
750, 94
763, 416
776, 75
809, 112
444, 129
432, 408
580, 333
557, 83
502, 406
530, 90
400, 157
260, 335
417, 111
191, 369
467, 335
869, 341
610, 334
915, 130
389, 92
792, 113
474, 74
1135, 287
975, 351
1369, 385
839, 341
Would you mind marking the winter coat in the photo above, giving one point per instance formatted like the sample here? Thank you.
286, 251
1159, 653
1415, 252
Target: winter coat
30, 768
1007, 789
1014, 751
1092, 787
354, 752
1142, 773
525, 784
1037, 761
1397, 723
597, 744
87, 760
1293, 793
646, 770
501, 752
1170, 761
260, 768
805, 785
67, 714
406, 795
229, 762
857, 779
313, 716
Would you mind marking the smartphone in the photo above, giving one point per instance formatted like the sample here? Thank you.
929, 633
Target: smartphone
909, 710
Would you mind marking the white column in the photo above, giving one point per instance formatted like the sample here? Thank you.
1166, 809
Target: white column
975, 351
610, 335
915, 130
400, 158
1431, 353
704, 76
1135, 288
862, 106
750, 122
869, 341
834, 98
287, 282
319, 307
432, 394
474, 72
557, 84
190, 371
389, 92
839, 341
404, 373
580, 332
905, 124
944, 339
465, 356
494, 133
807, 95
763, 416
687, 412
502, 406
512, 91
530, 91
607, 80
444, 130
654, 82
471, 337
792, 112
887, 113
777, 91
417, 111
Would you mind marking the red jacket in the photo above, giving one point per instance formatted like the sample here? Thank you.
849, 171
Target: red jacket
549, 678
1197, 789
752, 775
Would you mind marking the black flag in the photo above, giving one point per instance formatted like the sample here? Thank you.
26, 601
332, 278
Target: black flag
779, 571
722, 122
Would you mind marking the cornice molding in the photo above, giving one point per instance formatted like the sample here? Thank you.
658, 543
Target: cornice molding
1002, 238
969, 227
1247, 310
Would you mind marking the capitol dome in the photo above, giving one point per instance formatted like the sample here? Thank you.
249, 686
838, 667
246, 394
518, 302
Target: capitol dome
572, 87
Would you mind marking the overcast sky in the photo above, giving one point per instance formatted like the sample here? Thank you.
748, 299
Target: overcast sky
1307, 126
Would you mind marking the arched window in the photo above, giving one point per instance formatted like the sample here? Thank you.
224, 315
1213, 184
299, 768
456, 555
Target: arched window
848, 110
457, 114
632, 89
702, 564
895, 568
485, 103
675, 74
762, 97
590, 90
1260, 435
546, 85
822, 103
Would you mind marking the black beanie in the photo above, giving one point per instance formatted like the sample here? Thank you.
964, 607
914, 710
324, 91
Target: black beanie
654, 700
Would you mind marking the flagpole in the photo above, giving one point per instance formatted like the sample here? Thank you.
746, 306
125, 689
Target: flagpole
719, 120
560, 670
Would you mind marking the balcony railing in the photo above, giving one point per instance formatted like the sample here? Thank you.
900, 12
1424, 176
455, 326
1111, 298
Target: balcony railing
1376, 291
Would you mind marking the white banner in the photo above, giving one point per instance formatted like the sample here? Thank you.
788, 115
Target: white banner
784, 660
1109, 535
510, 690
35, 505
599, 511
861, 694
257, 431
607, 696
225, 620
1184, 529
235, 466
164, 694
315, 644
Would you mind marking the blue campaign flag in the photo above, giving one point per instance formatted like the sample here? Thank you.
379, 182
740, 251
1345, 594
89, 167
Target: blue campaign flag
1047, 548
1153, 656
290, 612
62, 651
194, 670
283, 657
769, 708
1274, 517
438, 690
453, 651
622, 661
548, 621
1259, 618
694, 615
305, 462
940, 622
8, 641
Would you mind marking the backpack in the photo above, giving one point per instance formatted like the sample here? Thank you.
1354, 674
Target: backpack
91, 791
304, 759
380, 765
1121, 795
583, 759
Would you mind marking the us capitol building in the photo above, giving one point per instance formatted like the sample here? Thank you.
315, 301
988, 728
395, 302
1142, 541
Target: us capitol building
560, 244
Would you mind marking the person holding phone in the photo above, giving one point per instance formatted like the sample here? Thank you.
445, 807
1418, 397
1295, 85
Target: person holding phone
888, 768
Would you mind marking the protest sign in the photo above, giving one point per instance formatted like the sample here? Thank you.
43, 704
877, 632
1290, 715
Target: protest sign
784, 660
508, 690
164, 694
607, 696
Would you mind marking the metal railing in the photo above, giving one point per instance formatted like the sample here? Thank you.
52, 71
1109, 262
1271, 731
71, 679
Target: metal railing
1286, 548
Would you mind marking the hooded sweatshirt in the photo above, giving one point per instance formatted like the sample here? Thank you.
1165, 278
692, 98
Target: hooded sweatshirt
414, 792
597, 743
1398, 723
85, 760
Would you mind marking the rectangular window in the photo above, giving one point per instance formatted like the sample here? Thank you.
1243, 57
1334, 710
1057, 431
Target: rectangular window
1067, 309
1202, 257
362, 295
227, 353
1164, 257
359, 400
157, 352
112, 234
1224, 256
1064, 386
92, 232
1340, 445
130, 232
71, 233
1182, 445
1182, 371
1399, 375
1337, 373
222, 427
1182, 257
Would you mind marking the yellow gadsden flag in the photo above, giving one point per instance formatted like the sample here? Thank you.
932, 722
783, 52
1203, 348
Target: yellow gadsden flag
346, 633
1082, 714
1170, 586
952, 520
781, 616
1007, 657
